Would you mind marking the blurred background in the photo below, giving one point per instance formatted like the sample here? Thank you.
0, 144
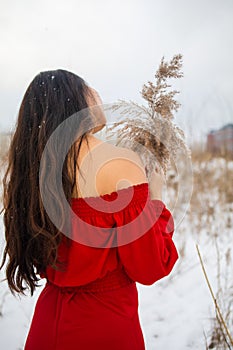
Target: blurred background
116, 46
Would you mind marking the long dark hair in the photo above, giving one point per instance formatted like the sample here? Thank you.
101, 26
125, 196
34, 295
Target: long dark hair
32, 239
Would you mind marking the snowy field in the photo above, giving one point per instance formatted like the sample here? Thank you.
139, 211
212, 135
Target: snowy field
176, 312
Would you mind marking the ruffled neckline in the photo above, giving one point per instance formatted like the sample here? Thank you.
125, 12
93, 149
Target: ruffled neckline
112, 195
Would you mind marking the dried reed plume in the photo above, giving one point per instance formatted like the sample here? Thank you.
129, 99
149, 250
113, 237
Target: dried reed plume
150, 131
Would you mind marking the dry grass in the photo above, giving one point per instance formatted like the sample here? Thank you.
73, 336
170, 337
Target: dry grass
150, 131
211, 207
210, 220
221, 337
4, 145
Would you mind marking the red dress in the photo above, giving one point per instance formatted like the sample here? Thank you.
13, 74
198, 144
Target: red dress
93, 304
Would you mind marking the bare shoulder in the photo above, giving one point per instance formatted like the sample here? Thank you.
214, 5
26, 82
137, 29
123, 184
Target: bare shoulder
124, 168
129, 156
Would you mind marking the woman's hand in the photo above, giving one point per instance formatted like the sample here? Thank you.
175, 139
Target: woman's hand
156, 182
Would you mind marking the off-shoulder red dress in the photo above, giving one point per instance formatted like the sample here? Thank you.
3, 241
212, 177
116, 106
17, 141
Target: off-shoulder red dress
93, 303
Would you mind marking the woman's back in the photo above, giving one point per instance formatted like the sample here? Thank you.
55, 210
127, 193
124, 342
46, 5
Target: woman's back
122, 236
119, 234
106, 168
115, 221
108, 172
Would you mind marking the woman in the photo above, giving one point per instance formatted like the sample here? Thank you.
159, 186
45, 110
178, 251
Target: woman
90, 300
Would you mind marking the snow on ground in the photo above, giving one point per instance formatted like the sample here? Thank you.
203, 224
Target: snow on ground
174, 312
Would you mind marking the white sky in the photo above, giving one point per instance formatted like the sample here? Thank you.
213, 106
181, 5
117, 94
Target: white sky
116, 46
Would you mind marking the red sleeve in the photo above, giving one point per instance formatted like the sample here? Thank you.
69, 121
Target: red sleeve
144, 236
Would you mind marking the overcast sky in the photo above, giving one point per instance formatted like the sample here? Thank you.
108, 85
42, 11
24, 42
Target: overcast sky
116, 46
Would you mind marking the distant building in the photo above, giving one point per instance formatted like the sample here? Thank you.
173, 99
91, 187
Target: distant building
221, 141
